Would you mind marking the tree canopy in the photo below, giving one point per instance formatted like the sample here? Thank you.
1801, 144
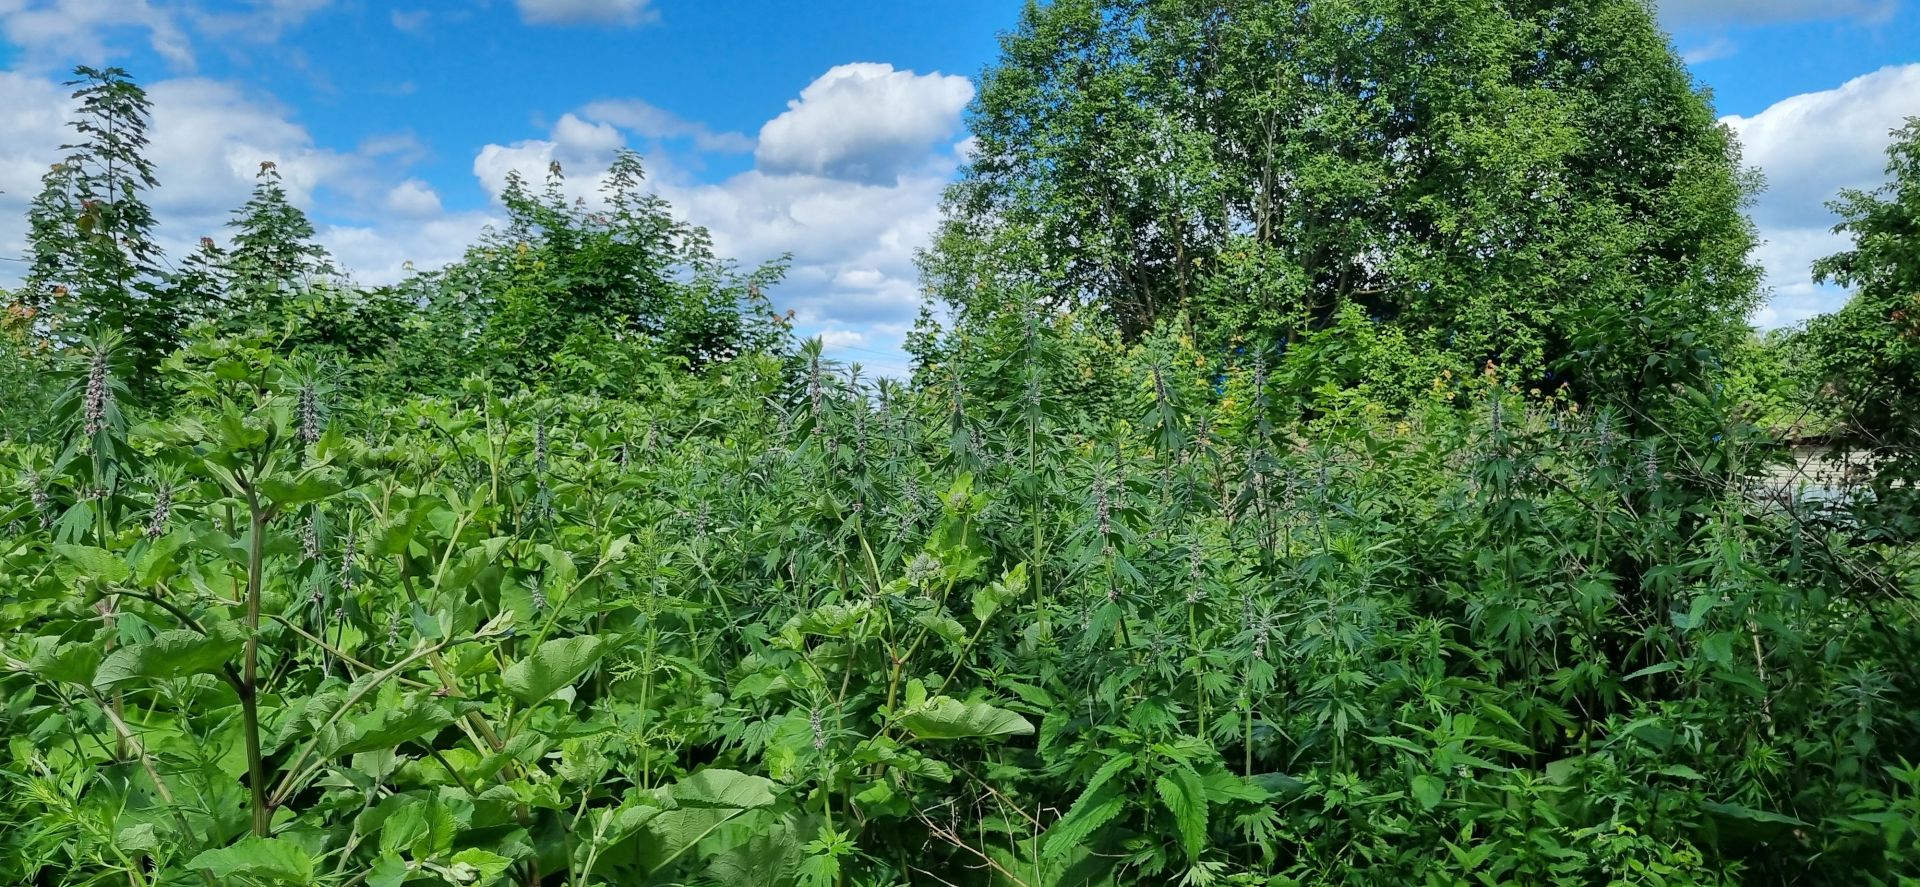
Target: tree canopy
1537, 183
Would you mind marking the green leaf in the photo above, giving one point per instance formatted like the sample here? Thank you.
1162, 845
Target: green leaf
308, 487
423, 827
988, 599
415, 718
558, 663
1741, 811
172, 654
1098, 803
948, 718
139, 838
704, 802
1092, 811
74, 662
1428, 790
1401, 744
1697, 613
1184, 797
262, 859
1652, 670
476, 866
715, 787
96, 563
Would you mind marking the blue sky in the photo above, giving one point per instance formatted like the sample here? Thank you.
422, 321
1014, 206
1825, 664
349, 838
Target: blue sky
825, 129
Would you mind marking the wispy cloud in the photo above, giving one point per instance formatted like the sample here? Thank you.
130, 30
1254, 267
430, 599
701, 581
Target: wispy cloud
587, 12
649, 121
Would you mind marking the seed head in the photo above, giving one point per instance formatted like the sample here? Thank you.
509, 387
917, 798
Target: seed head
162, 509
309, 414
42, 504
98, 395
310, 537
347, 559
1102, 509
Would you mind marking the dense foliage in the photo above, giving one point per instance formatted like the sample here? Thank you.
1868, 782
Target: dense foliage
563, 565
1865, 358
1532, 182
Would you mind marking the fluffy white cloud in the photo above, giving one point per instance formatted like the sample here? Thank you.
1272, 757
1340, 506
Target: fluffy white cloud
863, 122
586, 12
1811, 147
59, 32
413, 198
649, 121
1684, 13
388, 253
583, 149
32, 128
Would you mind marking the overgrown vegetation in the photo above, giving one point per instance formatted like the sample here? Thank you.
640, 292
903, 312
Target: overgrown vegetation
564, 565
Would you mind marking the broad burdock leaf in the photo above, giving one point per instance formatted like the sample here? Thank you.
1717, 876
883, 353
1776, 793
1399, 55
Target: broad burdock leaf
557, 664
947, 718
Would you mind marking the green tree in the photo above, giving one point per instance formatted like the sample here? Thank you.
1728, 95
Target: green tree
1532, 182
94, 259
1866, 356
564, 281
273, 251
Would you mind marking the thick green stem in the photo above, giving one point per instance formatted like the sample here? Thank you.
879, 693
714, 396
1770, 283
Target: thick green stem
250, 667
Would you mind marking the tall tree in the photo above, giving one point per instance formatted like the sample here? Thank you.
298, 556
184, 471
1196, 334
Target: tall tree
1866, 356
94, 259
273, 250
1533, 182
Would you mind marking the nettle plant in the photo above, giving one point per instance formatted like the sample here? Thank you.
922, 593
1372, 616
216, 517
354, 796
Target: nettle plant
776, 623
269, 639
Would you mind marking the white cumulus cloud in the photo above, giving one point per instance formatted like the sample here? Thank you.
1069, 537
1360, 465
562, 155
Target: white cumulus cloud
1810, 147
414, 198
56, 33
863, 122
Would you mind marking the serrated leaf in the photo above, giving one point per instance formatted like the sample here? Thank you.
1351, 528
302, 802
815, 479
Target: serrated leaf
558, 663
415, 718
74, 662
1181, 793
262, 859
715, 787
1087, 816
172, 654
309, 487
948, 718
95, 563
